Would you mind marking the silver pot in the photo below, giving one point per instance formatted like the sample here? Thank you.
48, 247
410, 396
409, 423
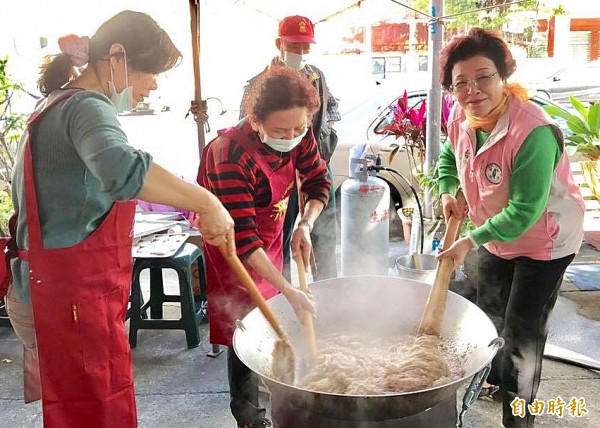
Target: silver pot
374, 305
421, 267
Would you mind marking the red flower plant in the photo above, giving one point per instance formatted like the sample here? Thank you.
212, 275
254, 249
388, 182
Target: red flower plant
410, 123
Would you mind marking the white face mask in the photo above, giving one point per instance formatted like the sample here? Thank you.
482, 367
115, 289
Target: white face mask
282, 145
294, 60
123, 101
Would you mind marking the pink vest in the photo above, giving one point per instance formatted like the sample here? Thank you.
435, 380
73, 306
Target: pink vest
485, 180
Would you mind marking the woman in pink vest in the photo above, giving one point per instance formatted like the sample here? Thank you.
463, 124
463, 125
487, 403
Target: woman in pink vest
251, 167
509, 159
74, 187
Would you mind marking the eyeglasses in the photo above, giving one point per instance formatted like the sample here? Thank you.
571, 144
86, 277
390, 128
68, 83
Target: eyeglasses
462, 87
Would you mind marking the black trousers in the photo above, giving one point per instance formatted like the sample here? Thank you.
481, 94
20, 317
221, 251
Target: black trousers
518, 295
243, 391
323, 236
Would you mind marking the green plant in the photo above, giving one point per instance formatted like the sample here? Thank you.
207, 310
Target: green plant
585, 125
430, 179
559, 10
428, 182
12, 124
6, 210
466, 226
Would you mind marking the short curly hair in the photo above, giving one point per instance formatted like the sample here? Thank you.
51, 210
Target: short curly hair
477, 42
280, 88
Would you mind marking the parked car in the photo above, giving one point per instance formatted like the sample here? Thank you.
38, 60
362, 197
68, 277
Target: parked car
582, 81
382, 144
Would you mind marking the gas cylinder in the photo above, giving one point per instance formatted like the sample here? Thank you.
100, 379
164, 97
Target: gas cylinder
365, 222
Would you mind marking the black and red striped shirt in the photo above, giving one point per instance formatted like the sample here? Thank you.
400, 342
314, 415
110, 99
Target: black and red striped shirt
230, 173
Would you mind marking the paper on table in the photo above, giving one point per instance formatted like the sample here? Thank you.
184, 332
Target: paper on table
142, 228
159, 245
175, 229
156, 216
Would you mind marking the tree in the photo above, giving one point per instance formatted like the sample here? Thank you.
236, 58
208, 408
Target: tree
490, 19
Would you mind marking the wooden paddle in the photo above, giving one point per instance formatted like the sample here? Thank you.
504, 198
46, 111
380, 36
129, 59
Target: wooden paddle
313, 261
308, 319
431, 322
283, 355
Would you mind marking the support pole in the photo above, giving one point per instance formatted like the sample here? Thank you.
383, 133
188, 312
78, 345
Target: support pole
197, 101
434, 97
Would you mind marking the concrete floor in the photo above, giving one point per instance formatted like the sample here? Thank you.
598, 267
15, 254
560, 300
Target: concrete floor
178, 387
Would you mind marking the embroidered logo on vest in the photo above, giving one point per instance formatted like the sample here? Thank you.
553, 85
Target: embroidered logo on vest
279, 209
493, 173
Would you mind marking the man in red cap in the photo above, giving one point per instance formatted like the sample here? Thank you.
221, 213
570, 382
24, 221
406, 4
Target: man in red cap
295, 36
296, 33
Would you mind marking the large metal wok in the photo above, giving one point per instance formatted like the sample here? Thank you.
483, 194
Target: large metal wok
373, 305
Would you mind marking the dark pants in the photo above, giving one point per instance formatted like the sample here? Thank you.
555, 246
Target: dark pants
243, 391
323, 236
518, 295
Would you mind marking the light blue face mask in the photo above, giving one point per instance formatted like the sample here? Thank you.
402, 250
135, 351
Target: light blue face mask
294, 60
282, 145
123, 101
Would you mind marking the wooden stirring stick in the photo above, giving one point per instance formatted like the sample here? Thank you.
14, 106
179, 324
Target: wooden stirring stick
433, 315
308, 319
283, 355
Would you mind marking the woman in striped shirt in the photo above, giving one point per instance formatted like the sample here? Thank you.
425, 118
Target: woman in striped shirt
251, 168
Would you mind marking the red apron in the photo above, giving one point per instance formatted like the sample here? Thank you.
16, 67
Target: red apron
228, 300
79, 296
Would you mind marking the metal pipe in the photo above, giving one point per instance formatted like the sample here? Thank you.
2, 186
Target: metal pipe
434, 97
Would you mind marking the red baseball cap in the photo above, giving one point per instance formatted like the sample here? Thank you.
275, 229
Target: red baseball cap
297, 29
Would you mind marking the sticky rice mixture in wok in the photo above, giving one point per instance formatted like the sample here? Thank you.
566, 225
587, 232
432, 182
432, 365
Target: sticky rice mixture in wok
360, 365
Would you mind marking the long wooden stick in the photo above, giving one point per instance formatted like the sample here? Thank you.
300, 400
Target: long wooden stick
431, 322
283, 362
313, 261
240, 271
308, 319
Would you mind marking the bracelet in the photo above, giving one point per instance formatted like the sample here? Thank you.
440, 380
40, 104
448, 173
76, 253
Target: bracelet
307, 224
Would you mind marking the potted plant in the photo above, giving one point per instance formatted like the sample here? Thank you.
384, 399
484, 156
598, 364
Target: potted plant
409, 125
584, 123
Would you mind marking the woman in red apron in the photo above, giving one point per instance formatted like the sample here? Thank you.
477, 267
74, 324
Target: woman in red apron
251, 167
73, 186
